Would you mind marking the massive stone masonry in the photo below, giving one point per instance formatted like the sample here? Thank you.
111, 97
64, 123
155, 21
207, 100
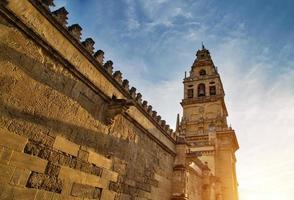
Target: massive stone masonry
75, 30
54, 141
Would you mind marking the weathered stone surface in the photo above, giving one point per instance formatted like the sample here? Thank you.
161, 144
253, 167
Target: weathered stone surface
32, 149
42, 181
109, 175
52, 170
83, 155
44, 195
75, 30
66, 104
66, 146
5, 173
52, 184
107, 195
11, 140
5, 155
99, 160
85, 191
96, 170
20, 177
82, 178
29, 162
36, 180
9, 192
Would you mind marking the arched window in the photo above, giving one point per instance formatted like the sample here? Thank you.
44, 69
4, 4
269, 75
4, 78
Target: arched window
201, 90
202, 72
212, 90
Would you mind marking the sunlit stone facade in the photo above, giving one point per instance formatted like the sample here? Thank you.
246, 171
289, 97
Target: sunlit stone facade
205, 130
72, 128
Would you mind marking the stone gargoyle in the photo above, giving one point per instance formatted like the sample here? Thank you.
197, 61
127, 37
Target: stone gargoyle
116, 107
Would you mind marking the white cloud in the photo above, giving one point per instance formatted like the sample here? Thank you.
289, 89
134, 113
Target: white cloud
260, 109
258, 85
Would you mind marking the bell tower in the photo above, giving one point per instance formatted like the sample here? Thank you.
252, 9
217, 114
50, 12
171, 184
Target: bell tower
204, 125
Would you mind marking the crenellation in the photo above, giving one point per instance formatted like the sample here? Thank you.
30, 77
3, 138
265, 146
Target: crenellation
76, 31
158, 119
145, 105
82, 135
108, 66
61, 16
125, 85
163, 122
149, 110
99, 56
154, 114
117, 75
133, 92
166, 127
139, 98
89, 45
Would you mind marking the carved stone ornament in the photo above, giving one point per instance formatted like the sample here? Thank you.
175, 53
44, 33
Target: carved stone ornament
116, 107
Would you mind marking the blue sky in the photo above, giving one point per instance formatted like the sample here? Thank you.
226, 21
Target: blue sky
154, 41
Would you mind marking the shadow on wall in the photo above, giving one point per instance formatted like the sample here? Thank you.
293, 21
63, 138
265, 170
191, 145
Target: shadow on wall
44, 73
29, 124
24, 122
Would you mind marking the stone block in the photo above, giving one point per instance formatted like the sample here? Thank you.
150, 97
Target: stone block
44, 195
81, 190
66, 146
99, 160
20, 177
83, 155
19, 193
5, 155
107, 195
25, 161
12, 140
5, 173
6, 191
125, 197
109, 175
73, 175
57, 197
70, 174
67, 185
96, 181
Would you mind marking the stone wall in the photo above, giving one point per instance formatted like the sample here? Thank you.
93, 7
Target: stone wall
54, 142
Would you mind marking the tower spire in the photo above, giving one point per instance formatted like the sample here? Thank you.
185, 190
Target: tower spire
203, 47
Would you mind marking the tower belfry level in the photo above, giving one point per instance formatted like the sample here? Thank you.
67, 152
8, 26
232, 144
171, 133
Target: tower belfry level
204, 127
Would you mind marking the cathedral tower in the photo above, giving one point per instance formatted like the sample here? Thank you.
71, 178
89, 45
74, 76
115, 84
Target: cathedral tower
204, 125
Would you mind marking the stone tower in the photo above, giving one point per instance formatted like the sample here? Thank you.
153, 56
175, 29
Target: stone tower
204, 126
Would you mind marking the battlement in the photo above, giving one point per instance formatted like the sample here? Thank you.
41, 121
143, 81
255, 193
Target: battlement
74, 32
72, 127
